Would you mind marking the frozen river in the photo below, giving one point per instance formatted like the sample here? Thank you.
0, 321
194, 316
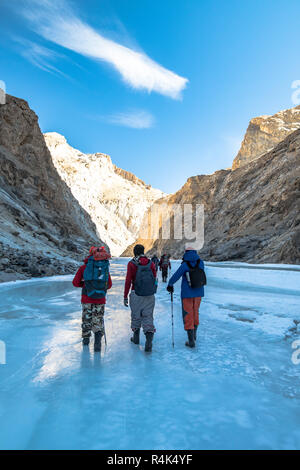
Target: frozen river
238, 389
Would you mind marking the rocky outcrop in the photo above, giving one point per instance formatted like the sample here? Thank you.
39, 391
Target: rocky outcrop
115, 199
44, 230
134, 179
251, 214
264, 133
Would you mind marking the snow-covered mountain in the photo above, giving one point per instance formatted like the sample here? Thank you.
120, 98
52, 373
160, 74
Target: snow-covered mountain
264, 133
115, 199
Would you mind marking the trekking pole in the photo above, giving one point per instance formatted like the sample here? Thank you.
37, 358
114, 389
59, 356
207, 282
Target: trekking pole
105, 340
172, 319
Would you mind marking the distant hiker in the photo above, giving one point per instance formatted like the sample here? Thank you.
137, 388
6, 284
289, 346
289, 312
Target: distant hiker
95, 280
164, 266
155, 260
141, 278
192, 290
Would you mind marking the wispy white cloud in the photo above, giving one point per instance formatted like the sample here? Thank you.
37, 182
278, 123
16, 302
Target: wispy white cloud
56, 22
40, 56
137, 119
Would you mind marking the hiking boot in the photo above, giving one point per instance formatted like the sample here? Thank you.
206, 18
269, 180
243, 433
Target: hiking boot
195, 332
136, 336
191, 342
149, 338
86, 341
97, 343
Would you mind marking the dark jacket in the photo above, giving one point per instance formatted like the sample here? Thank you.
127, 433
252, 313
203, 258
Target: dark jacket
164, 263
155, 260
186, 290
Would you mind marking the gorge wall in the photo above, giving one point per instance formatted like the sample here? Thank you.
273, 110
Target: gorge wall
251, 213
44, 230
56, 201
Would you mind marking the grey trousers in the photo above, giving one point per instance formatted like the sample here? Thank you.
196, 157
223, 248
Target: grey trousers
142, 308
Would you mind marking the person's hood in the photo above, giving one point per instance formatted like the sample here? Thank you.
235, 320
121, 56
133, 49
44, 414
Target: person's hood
143, 260
191, 255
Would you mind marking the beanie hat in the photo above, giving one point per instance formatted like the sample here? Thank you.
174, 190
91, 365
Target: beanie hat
188, 247
99, 253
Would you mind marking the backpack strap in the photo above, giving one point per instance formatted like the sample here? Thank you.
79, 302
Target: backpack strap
136, 263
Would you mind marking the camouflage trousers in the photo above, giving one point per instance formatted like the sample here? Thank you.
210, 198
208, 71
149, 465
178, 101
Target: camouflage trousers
92, 319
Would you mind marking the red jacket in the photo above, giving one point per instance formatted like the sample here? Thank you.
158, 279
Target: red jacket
79, 282
131, 273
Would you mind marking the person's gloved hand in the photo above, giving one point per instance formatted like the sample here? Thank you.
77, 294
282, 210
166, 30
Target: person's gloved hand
170, 289
126, 302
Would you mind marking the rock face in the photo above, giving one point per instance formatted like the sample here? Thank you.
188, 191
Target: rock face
56, 201
251, 214
264, 133
43, 227
115, 199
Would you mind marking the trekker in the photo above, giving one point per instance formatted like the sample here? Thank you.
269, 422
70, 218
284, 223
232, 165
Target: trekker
164, 266
155, 260
192, 290
141, 278
94, 279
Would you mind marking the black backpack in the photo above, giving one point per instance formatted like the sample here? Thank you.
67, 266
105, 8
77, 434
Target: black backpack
195, 276
145, 282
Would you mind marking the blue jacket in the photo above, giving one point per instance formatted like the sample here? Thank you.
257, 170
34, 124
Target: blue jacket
186, 290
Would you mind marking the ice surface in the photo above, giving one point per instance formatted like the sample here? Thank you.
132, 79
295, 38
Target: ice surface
238, 388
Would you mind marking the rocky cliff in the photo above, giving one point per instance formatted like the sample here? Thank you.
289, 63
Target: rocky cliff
44, 230
264, 133
55, 201
251, 214
115, 199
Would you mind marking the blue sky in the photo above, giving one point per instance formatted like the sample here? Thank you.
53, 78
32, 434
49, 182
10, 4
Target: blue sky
165, 87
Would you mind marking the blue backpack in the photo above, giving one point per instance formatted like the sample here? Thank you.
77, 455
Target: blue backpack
95, 278
145, 282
